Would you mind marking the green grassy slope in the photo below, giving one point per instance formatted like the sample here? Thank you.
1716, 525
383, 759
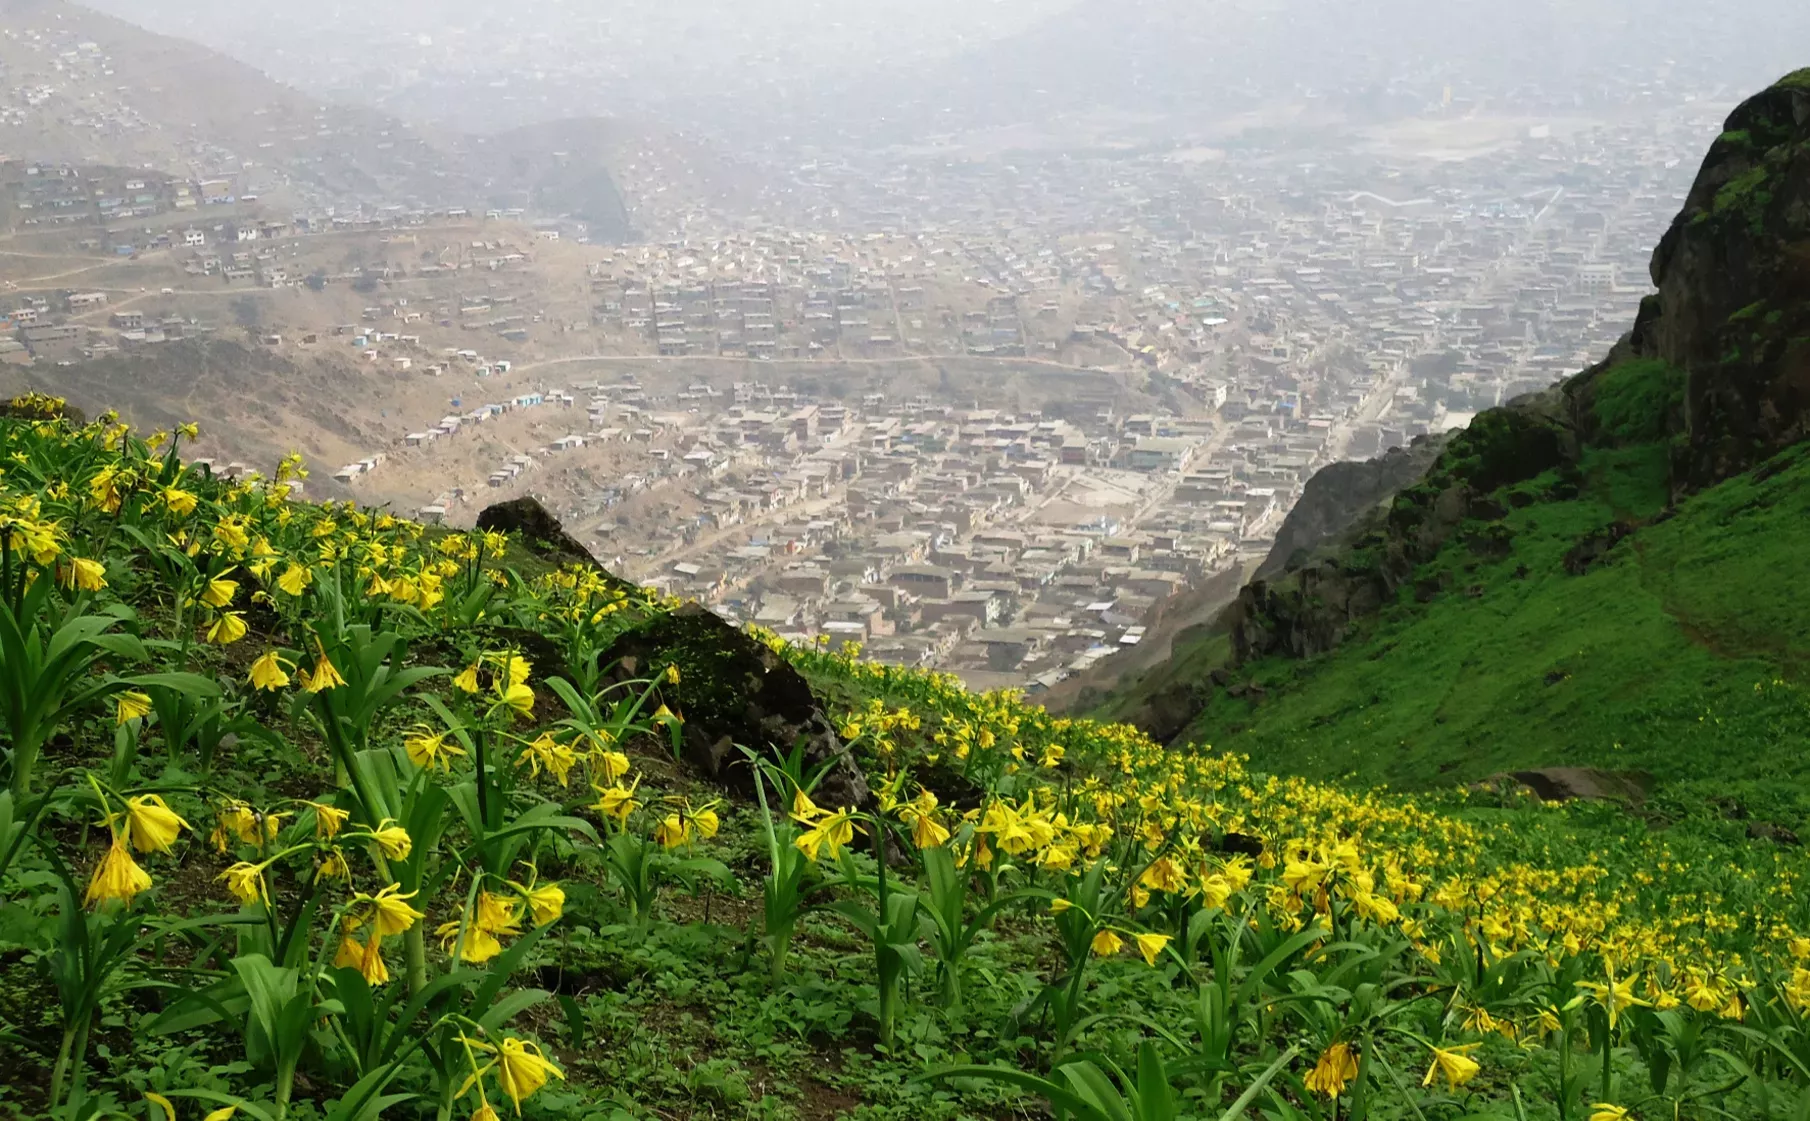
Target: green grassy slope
1681, 652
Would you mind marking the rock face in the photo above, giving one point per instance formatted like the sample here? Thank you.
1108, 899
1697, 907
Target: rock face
1309, 608
1733, 273
1341, 493
734, 691
1562, 784
540, 532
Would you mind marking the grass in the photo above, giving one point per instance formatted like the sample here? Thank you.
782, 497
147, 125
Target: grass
1681, 653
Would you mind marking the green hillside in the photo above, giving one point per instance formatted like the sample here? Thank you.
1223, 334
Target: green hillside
1680, 652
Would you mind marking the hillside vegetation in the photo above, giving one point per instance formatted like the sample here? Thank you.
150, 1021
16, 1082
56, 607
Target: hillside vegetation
313, 812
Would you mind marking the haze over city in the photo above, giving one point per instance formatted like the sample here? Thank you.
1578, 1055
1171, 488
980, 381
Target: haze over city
1001, 337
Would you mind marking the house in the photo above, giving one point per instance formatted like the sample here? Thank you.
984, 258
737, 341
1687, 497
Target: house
194, 237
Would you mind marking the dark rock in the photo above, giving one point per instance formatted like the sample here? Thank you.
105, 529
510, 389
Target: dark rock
1766, 831
1594, 546
1338, 495
1242, 844
1562, 784
1733, 306
541, 532
1166, 713
734, 690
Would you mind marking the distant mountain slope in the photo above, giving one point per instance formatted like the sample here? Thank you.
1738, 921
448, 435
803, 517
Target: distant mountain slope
1378, 58
1612, 573
110, 92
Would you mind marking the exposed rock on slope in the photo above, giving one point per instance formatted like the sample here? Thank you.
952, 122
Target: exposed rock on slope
1733, 273
1342, 493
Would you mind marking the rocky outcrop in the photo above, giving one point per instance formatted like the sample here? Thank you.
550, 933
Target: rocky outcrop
540, 533
1310, 608
1733, 307
1591, 784
734, 692
1340, 494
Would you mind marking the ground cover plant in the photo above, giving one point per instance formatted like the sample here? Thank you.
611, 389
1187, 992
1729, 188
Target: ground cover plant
312, 812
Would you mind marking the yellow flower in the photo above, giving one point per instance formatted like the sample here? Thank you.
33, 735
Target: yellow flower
832, 831
546, 903
1603, 1111
520, 698
672, 675
485, 1112
86, 575
391, 909
1336, 1067
246, 881
609, 765
220, 592
333, 867
706, 823
521, 1070
1107, 943
1454, 1064
117, 876
180, 502
325, 674
151, 825
393, 839
618, 802
477, 947
163, 1103
672, 831
131, 705
295, 579
546, 751
366, 957
227, 629
1615, 997
267, 672
498, 914
467, 682
230, 532
1150, 945
427, 748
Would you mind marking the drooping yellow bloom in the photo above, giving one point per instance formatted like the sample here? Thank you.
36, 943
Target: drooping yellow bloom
1454, 1064
85, 575
618, 802
1613, 996
219, 592
1335, 1069
180, 502
521, 1069
672, 675
546, 902
267, 672
295, 579
389, 908
1604, 1111
117, 876
246, 882
151, 825
831, 831
131, 705
478, 945
1150, 945
227, 629
393, 839
428, 748
498, 914
467, 681
1107, 943
548, 752
325, 674
672, 831
609, 766
366, 957
519, 698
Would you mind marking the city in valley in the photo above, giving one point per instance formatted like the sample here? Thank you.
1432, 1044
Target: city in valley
978, 403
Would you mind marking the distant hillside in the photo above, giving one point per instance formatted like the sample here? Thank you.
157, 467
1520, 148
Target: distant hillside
1608, 574
1215, 58
84, 87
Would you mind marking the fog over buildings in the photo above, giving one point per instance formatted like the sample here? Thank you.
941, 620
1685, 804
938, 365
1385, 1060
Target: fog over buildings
973, 330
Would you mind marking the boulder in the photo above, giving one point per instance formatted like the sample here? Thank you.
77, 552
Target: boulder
538, 530
1562, 784
734, 692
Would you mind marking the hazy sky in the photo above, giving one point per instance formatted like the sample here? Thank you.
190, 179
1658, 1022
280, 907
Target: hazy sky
849, 68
